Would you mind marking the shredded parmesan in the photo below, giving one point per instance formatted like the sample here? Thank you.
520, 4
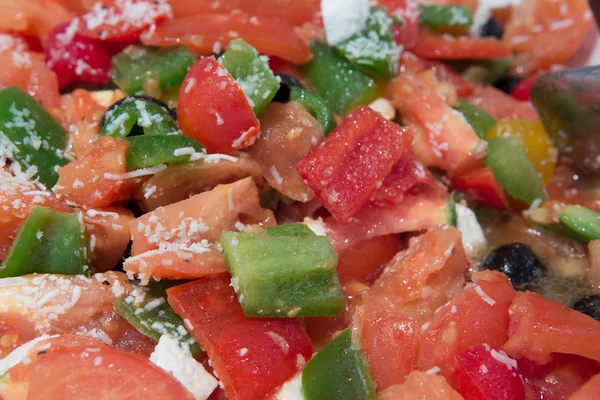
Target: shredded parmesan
137, 173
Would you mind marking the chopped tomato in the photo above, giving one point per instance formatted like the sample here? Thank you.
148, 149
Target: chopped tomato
291, 11
484, 373
210, 33
93, 181
15, 330
81, 117
18, 197
180, 241
108, 233
406, 173
76, 105
76, 59
12, 42
348, 167
447, 47
558, 379
559, 29
288, 134
421, 208
179, 182
589, 391
253, 357
482, 186
478, 315
413, 285
213, 109
423, 386
406, 11
443, 138
554, 327
122, 20
32, 17
100, 373
364, 261
502, 106
28, 71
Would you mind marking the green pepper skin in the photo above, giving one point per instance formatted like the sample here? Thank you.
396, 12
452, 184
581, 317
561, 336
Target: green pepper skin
438, 16
480, 121
339, 371
581, 223
336, 80
284, 276
290, 230
373, 50
252, 73
153, 119
49, 242
136, 65
30, 136
154, 317
514, 170
316, 106
150, 150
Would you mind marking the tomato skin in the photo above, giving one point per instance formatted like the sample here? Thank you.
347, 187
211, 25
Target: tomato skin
481, 185
447, 47
347, 168
556, 329
467, 320
291, 11
107, 373
588, 391
120, 20
408, 12
413, 285
76, 59
222, 329
494, 382
502, 106
421, 385
221, 119
269, 36
111, 236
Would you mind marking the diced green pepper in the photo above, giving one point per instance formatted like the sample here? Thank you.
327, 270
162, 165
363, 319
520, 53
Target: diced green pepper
137, 67
30, 136
582, 223
488, 71
514, 170
49, 242
316, 106
252, 73
373, 50
153, 119
290, 230
147, 309
439, 16
336, 80
150, 150
339, 371
480, 121
284, 276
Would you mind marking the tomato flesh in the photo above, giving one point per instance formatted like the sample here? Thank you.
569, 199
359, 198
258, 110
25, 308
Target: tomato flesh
253, 357
213, 109
481, 185
448, 47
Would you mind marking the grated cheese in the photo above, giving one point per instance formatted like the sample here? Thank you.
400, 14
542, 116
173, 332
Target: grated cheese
473, 238
292, 389
343, 18
484, 295
137, 173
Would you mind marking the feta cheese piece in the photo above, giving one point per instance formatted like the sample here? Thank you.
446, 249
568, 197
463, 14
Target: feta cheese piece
343, 18
292, 389
189, 372
383, 107
472, 235
316, 225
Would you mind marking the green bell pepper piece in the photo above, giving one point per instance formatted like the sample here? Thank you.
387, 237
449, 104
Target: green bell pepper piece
581, 223
373, 50
252, 73
147, 309
30, 136
150, 150
284, 276
316, 106
290, 230
336, 80
514, 170
135, 66
488, 71
438, 16
480, 121
49, 242
339, 371
153, 119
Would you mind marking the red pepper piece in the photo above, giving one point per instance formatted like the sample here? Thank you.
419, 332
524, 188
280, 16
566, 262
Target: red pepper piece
481, 185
